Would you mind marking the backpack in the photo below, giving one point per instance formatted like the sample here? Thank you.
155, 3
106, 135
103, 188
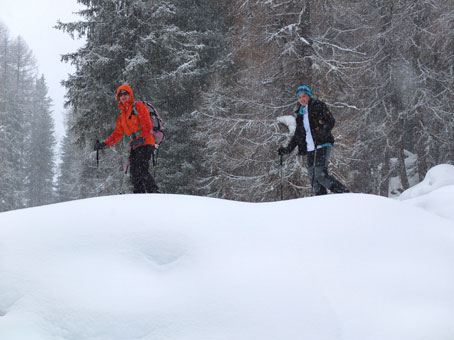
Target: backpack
156, 123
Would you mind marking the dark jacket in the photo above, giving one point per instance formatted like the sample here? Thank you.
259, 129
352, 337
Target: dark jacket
321, 121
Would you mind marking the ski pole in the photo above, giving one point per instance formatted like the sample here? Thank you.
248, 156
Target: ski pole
155, 159
97, 169
97, 154
155, 155
282, 179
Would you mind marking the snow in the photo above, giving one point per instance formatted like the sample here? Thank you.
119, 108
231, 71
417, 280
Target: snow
434, 192
395, 184
437, 177
288, 121
350, 266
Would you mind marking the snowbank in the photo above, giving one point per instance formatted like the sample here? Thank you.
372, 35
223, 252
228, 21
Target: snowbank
346, 266
434, 193
439, 176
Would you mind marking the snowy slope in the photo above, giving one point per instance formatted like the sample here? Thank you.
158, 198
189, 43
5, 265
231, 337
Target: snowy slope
346, 266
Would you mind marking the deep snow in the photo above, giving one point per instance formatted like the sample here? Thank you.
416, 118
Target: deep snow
349, 266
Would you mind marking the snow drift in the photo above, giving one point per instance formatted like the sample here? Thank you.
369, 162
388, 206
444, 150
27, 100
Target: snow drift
162, 267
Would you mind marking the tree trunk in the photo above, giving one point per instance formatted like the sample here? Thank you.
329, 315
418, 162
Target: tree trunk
384, 175
421, 160
402, 168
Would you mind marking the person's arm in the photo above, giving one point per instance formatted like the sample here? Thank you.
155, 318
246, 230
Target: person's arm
292, 144
328, 118
117, 134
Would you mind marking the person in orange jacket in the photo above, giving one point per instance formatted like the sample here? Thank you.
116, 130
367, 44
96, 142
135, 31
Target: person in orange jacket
134, 121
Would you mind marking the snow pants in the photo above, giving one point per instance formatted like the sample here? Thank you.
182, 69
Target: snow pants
318, 174
141, 178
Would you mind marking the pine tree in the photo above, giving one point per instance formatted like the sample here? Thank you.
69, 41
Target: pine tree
5, 135
18, 72
384, 68
164, 54
26, 128
40, 164
68, 181
403, 108
276, 46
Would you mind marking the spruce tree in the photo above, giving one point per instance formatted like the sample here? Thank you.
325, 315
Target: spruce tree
26, 129
165, 55
276, 47
18, 71
68, 180
40, 160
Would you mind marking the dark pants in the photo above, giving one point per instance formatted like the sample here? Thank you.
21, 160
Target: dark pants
320, 179
141, 178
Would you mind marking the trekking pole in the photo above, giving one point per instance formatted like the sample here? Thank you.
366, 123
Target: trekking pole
155, 156
282, 178
97, 169
155, 160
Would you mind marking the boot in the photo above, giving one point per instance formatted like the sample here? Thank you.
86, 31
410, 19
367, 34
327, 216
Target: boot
321, 191
338, 188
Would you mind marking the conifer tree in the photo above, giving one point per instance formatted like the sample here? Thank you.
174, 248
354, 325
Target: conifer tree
68, 181
40, 164
18, 71
402, 101
26, 128
164, 54
221, 73
276, 47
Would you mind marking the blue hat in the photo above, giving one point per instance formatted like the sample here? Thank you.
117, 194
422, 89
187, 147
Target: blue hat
303, 89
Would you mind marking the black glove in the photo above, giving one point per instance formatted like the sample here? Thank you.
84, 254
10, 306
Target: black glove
282, 151
137, 142
100, 145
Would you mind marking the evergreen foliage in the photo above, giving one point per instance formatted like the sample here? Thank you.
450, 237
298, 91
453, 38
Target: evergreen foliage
40, 149
165, 50
26, 129
221, 73
383, 67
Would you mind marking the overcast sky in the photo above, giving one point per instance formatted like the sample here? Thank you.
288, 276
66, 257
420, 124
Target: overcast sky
34, 20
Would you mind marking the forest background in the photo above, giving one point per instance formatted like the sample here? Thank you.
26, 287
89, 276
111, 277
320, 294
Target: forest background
223, 75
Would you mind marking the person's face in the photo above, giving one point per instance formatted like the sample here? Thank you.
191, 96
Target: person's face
124, 97
303, 99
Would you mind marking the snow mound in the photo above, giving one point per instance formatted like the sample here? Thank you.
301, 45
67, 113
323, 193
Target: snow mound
149, 267
437, 177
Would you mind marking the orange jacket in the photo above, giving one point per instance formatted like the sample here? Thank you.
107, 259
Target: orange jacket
129, 123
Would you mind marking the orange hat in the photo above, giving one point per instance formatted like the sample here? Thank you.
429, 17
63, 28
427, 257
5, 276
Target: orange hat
126, 88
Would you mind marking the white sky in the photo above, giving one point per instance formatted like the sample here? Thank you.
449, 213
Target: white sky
33, 21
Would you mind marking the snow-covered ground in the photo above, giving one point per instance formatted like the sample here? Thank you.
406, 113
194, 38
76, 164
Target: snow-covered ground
160, 267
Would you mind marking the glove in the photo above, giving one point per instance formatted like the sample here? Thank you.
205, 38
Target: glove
100, 145
137, 142
282, 151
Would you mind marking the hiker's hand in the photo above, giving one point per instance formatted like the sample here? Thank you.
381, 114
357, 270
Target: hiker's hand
100, 145
137, 142
282, 151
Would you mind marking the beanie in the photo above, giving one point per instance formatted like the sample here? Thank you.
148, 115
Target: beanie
303, 89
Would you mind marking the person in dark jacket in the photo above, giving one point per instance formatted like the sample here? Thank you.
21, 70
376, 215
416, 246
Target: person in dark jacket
313, 138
